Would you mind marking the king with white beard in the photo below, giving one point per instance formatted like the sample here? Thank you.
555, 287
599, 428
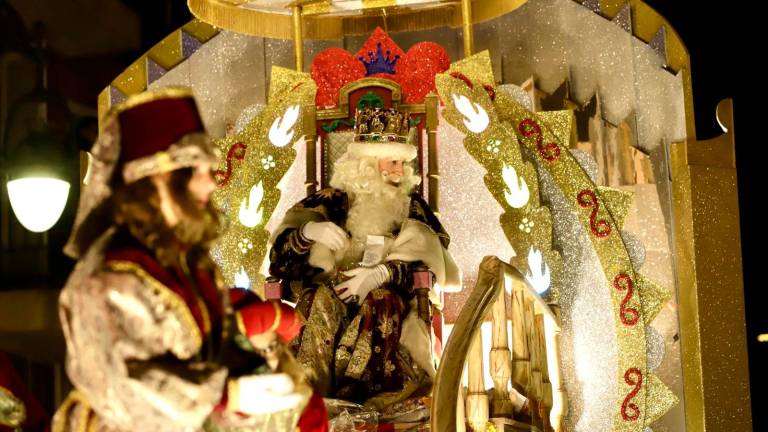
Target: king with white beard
349, 254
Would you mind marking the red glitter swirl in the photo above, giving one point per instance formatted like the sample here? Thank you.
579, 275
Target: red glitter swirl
491, 91
463, 77
623, 282
629, 410
588, 199
237, 151
529, 128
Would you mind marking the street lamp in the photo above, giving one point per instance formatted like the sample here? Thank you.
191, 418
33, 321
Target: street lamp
38, 168
38, 184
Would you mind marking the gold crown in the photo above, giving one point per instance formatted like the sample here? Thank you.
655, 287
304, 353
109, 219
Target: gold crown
381, 125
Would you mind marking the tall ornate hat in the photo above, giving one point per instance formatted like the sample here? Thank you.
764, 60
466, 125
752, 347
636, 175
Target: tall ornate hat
150, 133
161, 131
383, 133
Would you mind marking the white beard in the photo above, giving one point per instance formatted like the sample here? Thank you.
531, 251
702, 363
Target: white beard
377, 207
379, 211
374, 214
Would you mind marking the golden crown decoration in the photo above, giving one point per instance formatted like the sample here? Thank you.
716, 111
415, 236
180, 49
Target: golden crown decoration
381, 125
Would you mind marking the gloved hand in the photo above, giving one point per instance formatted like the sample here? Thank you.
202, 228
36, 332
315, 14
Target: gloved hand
263, 394
364, 279
325, 233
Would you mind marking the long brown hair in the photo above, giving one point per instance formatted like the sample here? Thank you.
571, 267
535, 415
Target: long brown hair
135, 208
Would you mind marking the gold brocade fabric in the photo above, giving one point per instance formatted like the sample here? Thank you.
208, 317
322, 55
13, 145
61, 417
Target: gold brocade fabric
359, 358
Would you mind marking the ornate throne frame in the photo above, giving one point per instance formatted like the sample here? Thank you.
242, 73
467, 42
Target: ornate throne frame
342, 116
390, 92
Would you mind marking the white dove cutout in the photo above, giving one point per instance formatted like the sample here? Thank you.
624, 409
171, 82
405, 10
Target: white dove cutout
281, 131
518, 194
242, 280
475, 117
250, 209
538, 275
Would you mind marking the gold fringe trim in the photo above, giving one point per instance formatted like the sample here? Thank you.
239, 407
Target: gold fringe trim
166, 294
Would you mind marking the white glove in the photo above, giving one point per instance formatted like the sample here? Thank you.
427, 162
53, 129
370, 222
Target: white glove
264, 394
364, 279
325, 233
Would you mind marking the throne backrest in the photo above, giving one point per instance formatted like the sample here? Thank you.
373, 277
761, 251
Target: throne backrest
335, 126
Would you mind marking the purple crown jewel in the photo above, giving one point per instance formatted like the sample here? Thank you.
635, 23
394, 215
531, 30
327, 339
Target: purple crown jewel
379, 63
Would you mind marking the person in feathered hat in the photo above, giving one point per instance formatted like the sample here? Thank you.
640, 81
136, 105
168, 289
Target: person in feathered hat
352, 251
147, 325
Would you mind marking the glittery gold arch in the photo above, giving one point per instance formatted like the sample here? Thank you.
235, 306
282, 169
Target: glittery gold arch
254, 162
496, 128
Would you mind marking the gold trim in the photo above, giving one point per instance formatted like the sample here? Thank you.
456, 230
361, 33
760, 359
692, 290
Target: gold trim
233, 395
240, 323
342, 109
166, 294
150, 95
60, 417
20, 403
168, 52
710, 280
133, 79
395, 18
231, 17
278, 316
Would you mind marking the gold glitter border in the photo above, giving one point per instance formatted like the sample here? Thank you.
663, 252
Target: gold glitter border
288, 88
612, 206
167, 53
170, 298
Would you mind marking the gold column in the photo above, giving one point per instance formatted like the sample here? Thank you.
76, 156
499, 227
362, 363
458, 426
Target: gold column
310, 139
710, 282
298, 37
433, 170
466, 22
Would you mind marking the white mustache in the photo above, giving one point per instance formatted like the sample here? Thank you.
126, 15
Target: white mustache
391, 178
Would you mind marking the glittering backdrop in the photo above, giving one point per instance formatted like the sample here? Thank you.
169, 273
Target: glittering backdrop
558, 40
468, 211
588, 340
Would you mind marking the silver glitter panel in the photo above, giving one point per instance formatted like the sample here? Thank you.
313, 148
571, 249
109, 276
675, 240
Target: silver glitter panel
635, 248
587, 162
654, 348
588, 341
555, 40
468, 211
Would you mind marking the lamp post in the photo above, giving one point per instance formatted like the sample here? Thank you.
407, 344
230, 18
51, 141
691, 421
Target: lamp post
37, 170
38, 184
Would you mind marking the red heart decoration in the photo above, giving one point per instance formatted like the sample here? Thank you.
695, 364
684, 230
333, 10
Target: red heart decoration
331, 70
415, 71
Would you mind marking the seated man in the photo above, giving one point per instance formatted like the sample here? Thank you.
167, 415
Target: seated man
349, 254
